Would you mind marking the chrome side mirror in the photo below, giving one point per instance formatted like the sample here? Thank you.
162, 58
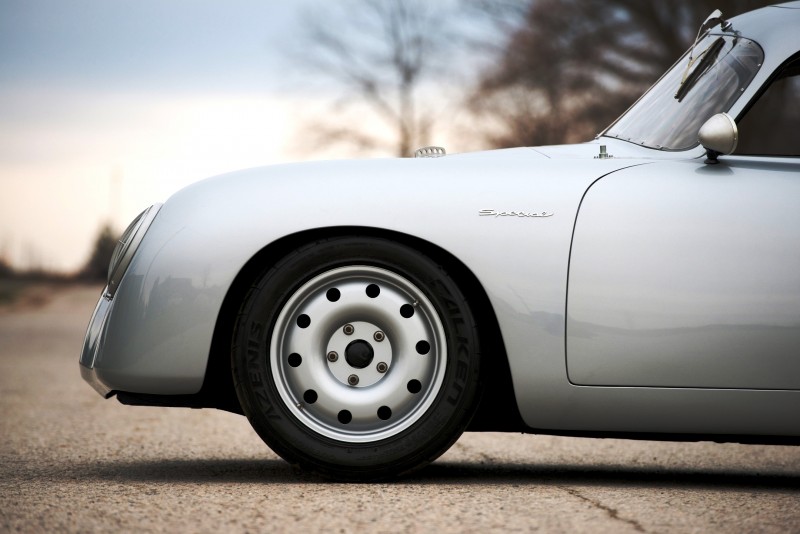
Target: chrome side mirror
718, 135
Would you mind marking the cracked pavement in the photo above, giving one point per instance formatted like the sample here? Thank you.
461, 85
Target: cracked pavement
70, 461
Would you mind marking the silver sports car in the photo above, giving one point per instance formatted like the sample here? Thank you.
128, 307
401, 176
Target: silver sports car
363, 314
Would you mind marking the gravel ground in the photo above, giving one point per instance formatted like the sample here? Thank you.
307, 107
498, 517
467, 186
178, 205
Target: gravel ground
70, 461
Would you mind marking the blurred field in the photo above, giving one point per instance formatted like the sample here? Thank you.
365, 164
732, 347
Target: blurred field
18, 294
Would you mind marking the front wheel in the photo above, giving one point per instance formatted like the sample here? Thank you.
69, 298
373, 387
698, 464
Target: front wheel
357, 358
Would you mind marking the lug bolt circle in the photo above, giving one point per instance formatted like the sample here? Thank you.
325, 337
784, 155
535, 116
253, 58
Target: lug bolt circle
332, 356
379, 336
348, 329
382, 367
352, 380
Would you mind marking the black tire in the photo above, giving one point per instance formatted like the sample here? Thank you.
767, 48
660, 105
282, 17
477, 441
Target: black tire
395, 320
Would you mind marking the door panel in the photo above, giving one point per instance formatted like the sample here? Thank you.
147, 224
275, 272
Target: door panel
688, 275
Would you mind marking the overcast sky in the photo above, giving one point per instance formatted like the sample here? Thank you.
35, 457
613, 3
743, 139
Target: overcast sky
155, 45
107, 106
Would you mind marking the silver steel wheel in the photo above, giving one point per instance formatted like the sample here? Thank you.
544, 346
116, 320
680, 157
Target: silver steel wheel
358, 354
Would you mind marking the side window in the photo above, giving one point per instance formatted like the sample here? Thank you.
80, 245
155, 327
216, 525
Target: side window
771, 125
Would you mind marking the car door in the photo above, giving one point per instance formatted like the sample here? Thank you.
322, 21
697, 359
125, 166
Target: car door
685, 274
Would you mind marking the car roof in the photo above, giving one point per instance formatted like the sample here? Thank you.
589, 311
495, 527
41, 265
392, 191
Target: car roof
775, 28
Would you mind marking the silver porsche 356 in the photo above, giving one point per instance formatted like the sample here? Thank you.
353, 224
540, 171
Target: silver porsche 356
363, 314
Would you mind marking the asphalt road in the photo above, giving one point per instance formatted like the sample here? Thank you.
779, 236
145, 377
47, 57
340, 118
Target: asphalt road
71, 461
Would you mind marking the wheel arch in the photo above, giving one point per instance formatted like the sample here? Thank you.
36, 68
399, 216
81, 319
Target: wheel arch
497, 409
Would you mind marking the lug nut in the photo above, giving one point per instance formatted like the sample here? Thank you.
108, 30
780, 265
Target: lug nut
382, 367
352, 380
379, 336
332, 356
348, 330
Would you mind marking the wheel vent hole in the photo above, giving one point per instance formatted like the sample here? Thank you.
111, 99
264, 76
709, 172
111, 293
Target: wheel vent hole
414, 386
310, 396
373, 291
384, 412
407, 310
303, 321
333, 294
423, 347
345, 417
295, 359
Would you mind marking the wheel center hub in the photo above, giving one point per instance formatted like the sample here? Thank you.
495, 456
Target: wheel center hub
358, 361
359, 354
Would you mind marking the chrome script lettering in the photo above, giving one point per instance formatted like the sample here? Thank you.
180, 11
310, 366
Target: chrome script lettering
495, 213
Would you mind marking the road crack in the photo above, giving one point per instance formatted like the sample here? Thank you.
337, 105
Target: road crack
611, 512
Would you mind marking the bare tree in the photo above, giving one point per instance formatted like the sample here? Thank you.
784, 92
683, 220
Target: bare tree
380, 54
570, 67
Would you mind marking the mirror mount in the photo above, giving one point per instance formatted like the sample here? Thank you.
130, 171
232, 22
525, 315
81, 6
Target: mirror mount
711, 157
718, 135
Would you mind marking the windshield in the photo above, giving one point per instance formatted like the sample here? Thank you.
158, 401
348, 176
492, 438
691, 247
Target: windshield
670, 114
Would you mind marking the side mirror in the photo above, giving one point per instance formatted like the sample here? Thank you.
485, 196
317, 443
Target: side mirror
719, 135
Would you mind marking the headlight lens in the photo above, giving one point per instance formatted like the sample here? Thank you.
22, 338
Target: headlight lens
126, 247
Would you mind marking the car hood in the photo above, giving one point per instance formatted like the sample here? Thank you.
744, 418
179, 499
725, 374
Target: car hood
432, 198
350, 189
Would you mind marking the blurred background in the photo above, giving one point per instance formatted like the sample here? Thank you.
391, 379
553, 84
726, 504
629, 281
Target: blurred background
109, 106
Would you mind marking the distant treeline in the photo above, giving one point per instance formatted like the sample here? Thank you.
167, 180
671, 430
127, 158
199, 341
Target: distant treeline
95, 268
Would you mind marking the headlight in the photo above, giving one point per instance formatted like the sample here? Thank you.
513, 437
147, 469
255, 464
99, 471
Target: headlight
126, 247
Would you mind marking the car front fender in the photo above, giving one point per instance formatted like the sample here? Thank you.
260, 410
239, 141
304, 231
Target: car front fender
507, 215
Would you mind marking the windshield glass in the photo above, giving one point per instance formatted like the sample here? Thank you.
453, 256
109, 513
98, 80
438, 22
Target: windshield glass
670, 114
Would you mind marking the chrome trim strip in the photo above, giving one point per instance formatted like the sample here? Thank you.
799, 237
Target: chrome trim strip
92, 345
